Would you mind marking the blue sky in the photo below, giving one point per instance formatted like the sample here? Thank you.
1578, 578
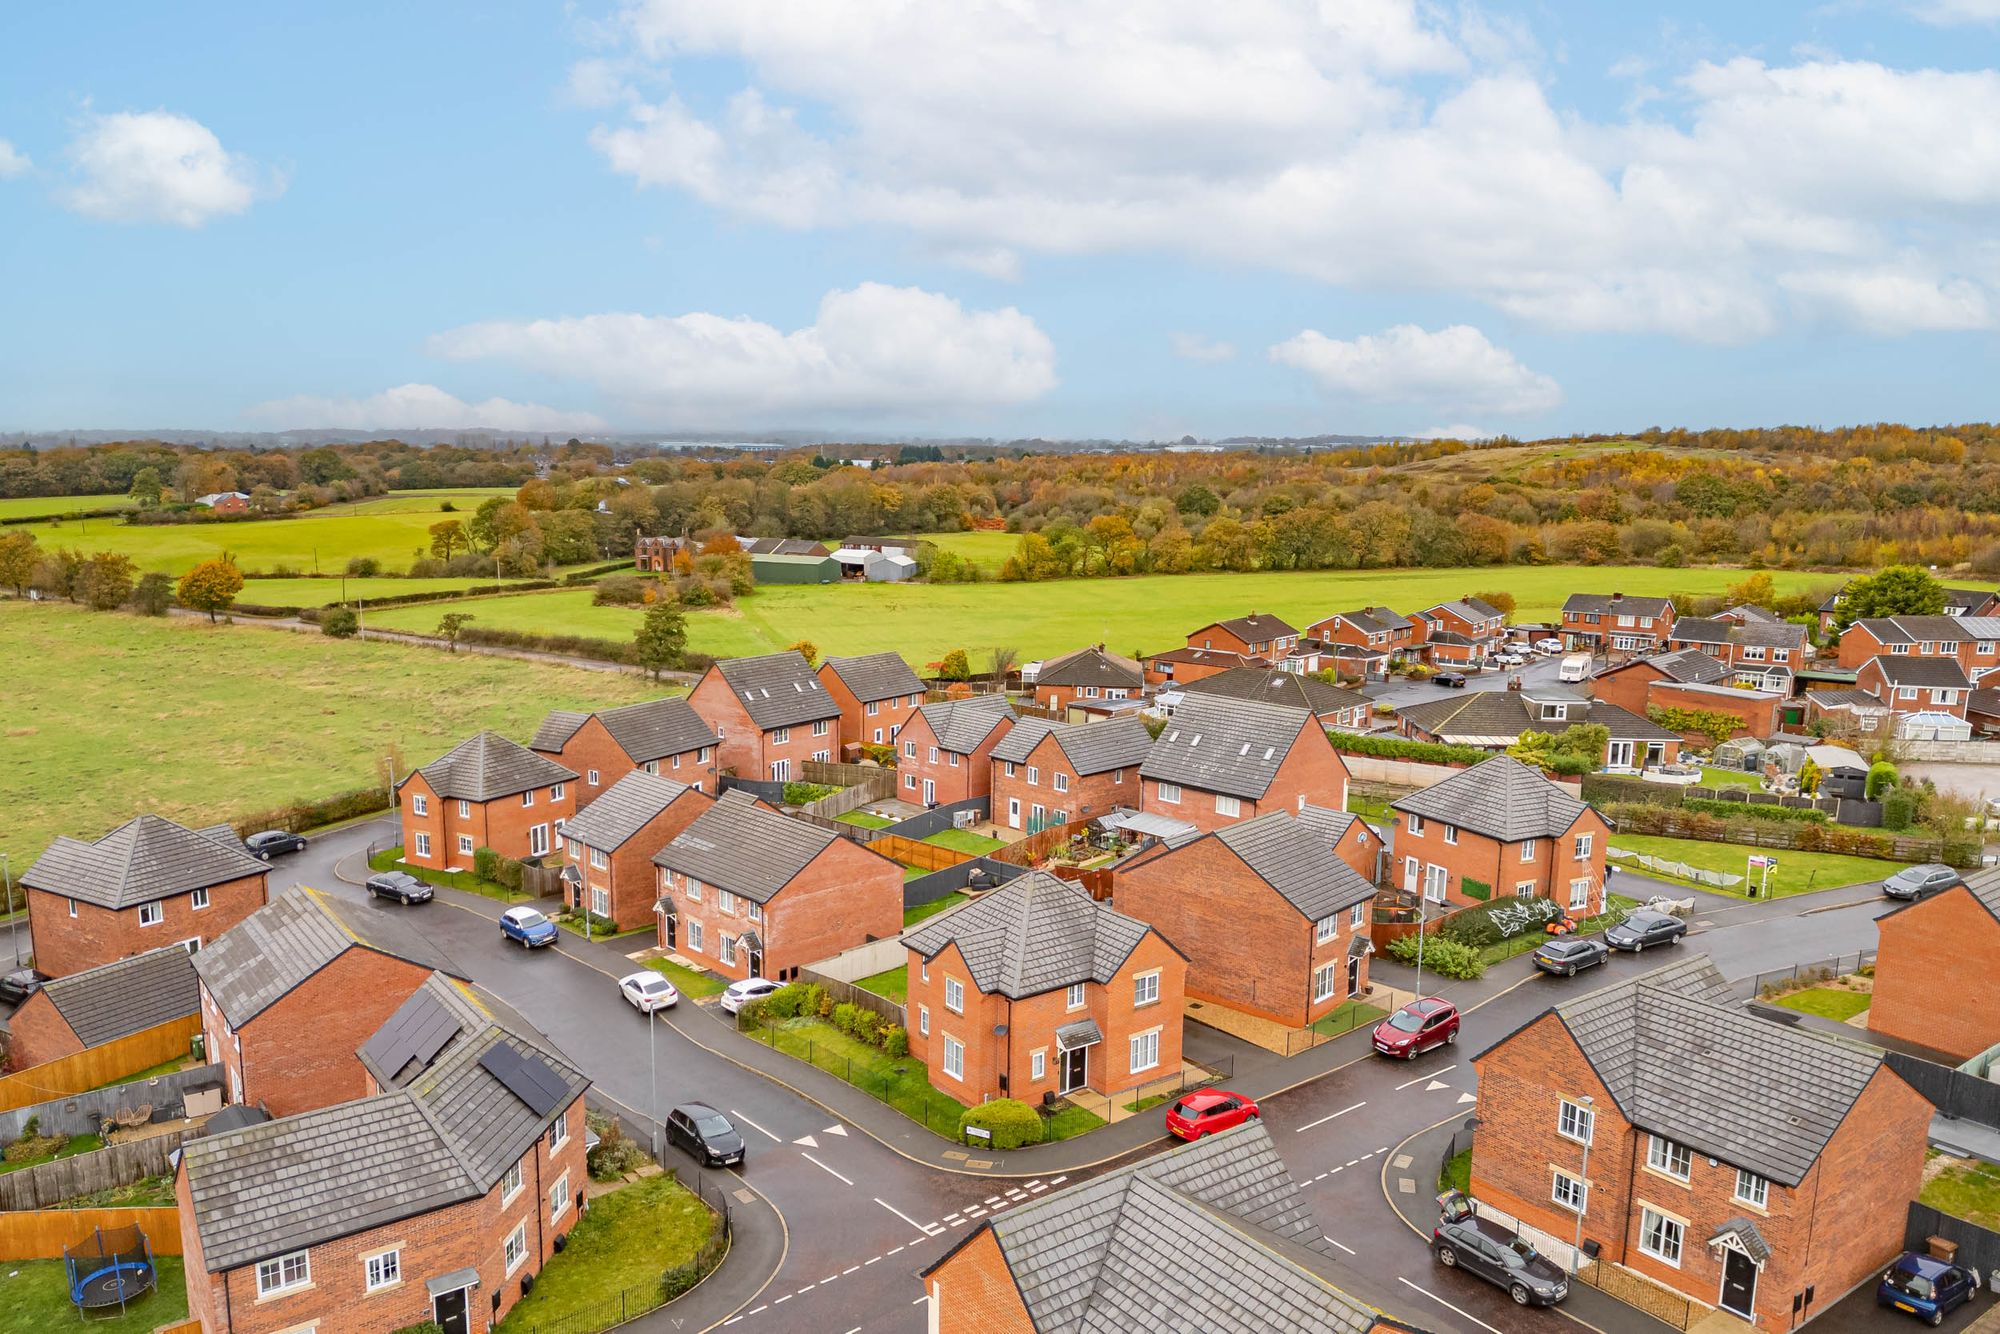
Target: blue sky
1109, 219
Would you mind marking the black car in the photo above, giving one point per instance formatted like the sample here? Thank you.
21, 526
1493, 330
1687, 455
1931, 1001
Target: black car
400, 886
1645, 928
1569, 955
21, 983
1456, 680
705, 1133
1481, 1246
272, 842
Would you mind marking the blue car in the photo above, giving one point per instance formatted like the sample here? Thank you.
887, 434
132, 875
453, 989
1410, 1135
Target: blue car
528, 927
1927, 1288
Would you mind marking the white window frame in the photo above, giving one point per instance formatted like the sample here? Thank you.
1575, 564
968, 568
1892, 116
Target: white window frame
1569, 1192
559, 1198
1528, 849
1143, 1053
1038, 1064
278, 1266
198, 899
1034, 775
556, 791
1669, 1158
1323, 982
464, 810
780, 735
1061, 781
538, 840
1146, 988
516, 1248
1073, 997
599, 859
725, 949
465, 845
1451, 834
1584, 842
152, 914
1357, 916
954, 1057
692, 888
1168, 793
954, 995
559, 1132
1576, 1122
694, 936
1437, 883
1326, 929
419, 804
384, 1269
593, 779
822, 727
1671, 1231
1416, 825
72, 907
1751, 1189
528, 797
1228, 806
924, 1020
909, 750
423, 844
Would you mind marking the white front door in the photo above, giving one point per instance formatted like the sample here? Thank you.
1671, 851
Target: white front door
1409, 875
1013, 812
930, 791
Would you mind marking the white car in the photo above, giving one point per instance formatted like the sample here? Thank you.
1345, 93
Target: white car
648, 991
1548, 645
739, 994
1509, 659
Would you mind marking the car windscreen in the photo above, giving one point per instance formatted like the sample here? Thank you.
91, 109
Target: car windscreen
529, 917
1522, 1250
1913, 1285
716, 1126
1405, 1022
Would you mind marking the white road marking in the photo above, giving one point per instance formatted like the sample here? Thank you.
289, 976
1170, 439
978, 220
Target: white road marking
905, 1217
808, 1141
1036, 1188
1442, 1302
823, 1167
1350, 1162
1435, 1085
958, 1222
1348, 1249
920, 1301
759, 1310
902, 1247
1467, 1097
974, 1212
754, 1126
732, 1320
855, 1330
850, 1269
1058, 1181
995, 1199
873, 1258
831, 1277
788, 1296
842, 1130
1421, 1078
1328, 1117
807, 1288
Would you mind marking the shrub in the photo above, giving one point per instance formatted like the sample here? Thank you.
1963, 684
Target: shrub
868, 1027
1899, 808
363, 567
804, 794
1881, 777
792, 1000
896, 1041
1398, 748
615, 1154
882, 755
339, 623
627, 590
1756, 810
1442, 955
486, 864
1502, 919
153, 594
844, 1016
1012, 1122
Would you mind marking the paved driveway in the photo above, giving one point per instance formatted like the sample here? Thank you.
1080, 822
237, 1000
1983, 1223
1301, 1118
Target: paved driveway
1398, 691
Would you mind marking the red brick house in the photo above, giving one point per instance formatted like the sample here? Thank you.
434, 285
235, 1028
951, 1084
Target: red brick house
1376, 629
1626, 684
436, 1198
1599, 622
1916, 685
147, 883
1745, 1165
102, 1004
1330, 704
1751, 646
1759, 713
287, 997
1496, 829
1495, 719
655, 555
1087, 674
486, 792
1182, 666
747, 892
1464, 632
1974, 640
611, 846
659, 736
772, 715
945, 751
1045, 773
1221, 760
877, 694
1271, 919
1258, 635
1935, 985
1035, 988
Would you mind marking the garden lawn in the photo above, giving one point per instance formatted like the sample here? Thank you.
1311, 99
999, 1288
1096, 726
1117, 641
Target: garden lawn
1457, 1172
25, 507
964, 840
911, 916
1348, 1016
625, 1243
391, 859
1714, 777
690, 982
1835, 1003
110, 715
891, 983
1968, 1190
902, 1082
75, 1145
1796, 873
150, 1072
863, 820
34, 1299
146, 1193
1375, 810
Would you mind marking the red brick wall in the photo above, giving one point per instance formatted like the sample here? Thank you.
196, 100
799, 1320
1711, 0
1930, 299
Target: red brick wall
502, 824
631, 879
1500, 865
746, 748
971, 777
1759, 713
1625, 687
856, 723
37, 1032
1186, 672
1940, 947
1214, 636
1870, 678
65, 944
844, 897
1857, 645
1089, 795
591, 749
973, 1292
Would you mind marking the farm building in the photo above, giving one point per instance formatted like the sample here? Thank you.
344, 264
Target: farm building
775, 569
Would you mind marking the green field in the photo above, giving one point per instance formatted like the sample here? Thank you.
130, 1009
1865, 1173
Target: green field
323, 592
986, 550
1796, 872
34, 506
1147, 613
110, 715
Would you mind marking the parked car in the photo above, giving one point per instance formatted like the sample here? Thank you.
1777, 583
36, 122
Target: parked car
648, 991
1926, 1288
528, 927
1417, 1028
1918, 882
705, 1133
739, 994
1483, 1247
400, 886
1208, 1112
1456, 680
21, 983
270, 843
1509, 659
1643, 928
1548, 645
1570, 955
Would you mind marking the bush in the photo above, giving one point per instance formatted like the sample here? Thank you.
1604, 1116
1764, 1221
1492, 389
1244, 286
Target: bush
868, 1027
1899, 808
1756, 810
1398, 748
1012, 1122
364, 567
895, 1041
1442, 955
804, 794
1881, 777
882, 755
615, 1154
312, 814
844, 1016
486, 864
153, 594
625, 590
792, 1000
339, 623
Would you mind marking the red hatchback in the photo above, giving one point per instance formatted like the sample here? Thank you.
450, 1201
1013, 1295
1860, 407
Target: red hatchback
1417, 1028
1207, 1111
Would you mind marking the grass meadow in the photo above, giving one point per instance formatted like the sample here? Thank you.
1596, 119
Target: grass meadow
25, 507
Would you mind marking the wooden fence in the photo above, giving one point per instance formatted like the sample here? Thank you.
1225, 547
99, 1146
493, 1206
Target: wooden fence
879, 785
1039, 845
95, 1066
41, 1234
843, 775
849, 994
926, 856
48, 1184
1097, 882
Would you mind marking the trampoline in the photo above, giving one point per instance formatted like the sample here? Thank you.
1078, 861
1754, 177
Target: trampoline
109, 1269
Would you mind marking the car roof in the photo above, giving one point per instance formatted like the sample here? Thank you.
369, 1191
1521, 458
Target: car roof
1429, 1005
1205, 1097
697, 1109
1917, 1263
744, 984
1650, 915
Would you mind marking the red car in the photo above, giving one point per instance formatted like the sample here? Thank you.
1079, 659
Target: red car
1207, 1111
1417, 1028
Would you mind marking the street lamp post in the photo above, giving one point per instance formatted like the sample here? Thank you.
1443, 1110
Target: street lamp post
1423, 916
653, 1061
1583, 1184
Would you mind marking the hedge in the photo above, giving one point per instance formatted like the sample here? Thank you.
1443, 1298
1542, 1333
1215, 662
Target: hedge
1805, 837
1491, 923
1442, 955
1757, 810
1012, 1122
1401, 748
312, 814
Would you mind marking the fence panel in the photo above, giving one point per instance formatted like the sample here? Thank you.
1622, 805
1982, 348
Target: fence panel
928, 856
1040, 844
848, 993
48, 1184
1955, 1093
844, 775
82, 1113
87, 1069
930, 888
41, 1234
880, 785
1977, 1246
939, 818
1805, 974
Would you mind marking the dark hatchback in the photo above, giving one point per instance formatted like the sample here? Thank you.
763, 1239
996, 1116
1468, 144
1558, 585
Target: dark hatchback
1569, 955
1454, 680
705, 1133
1480, 1246
1926, 1288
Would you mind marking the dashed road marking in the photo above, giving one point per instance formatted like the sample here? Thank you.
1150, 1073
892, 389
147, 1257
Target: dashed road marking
900, 1214
754, 1126
1328, 1117
904, 1246
1442, 1302
1348, 1249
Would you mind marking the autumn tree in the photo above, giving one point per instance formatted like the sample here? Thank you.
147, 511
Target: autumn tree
452, 624
806, 649
105, 581
661, 640
147, 487
954, 666
1500, 600
211, 586
18, 555
1900, 590
153, 595
448, 539
1756, 590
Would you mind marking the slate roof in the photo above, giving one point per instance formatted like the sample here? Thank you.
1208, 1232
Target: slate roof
1683, 1060
1275, 687
1587, 603
1984, 886
1506, 713
127, 996
1689, 666
1905, 671
1374, 620
1211, 1237
1257, 628
1091, 667
1984, 700
1500, 798
744, 847
778, 689
1033, 934
1202, 657
1747, 1236
876, 676
1467, 609
1847, 698
1714, 630
962, 725
489, 766
622, 810
268, 954
1750, 611
1297, 860
1093, 748
1967, 598
140, 861
1229, 746
651, 730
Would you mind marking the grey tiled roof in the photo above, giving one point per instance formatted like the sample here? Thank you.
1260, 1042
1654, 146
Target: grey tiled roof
1967, 598
1713, 630
1501, 798
743, 847
1275, 687
876, 676
1203, 657
1092, 748
622, 810
1689, 666
1257, 628
1984, 700
778, 690
1750, 611
651, 730
1468, 609
1229, 746
265, 956
556, 729
1211, 1237
1507, 713
127, 996
487, 766
1091, 667
1626, 606
1297, 860
1849, 698
1938, 672
962, 725
1033, 934
140, 861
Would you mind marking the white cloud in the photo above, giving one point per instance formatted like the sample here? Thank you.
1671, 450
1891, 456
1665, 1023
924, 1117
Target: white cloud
12, 160
1454, 368
1891, 300
1459, 432
1194, 347
417, 407
1370, 143
1947, 12
157, 166
873, 349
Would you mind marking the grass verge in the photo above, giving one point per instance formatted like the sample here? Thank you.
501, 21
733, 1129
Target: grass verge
1457, 1172
1147, 1103
1835, 1003
1796, 872
911, 916
616, 1257
891, 983
1375, 810
964, 840
690, 982
34, 1298
391, 859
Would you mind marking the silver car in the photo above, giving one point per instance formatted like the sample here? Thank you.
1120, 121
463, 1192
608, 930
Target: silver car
1917, 882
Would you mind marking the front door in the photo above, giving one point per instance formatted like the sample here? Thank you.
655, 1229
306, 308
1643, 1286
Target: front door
672, 923
448, 1309
1353, 974
1739, 1283
756, 959
930, 792
1013, 812
1075, 1069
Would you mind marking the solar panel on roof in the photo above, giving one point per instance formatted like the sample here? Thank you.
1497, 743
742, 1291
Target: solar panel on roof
417, 1032
532, 1081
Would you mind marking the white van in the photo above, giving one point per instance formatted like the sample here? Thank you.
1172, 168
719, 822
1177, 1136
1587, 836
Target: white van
1575, 667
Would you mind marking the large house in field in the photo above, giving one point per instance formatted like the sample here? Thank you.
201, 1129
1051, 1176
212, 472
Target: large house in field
945, 752
660, 736
486, 792
98, 1005
1087, 674
1751, 1167
1332, 705
1259, 635
1499, 829
611, 846
1599, 622
147, 883
1221, 760
1045, 773
771, 713
877, 694
1495, 720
